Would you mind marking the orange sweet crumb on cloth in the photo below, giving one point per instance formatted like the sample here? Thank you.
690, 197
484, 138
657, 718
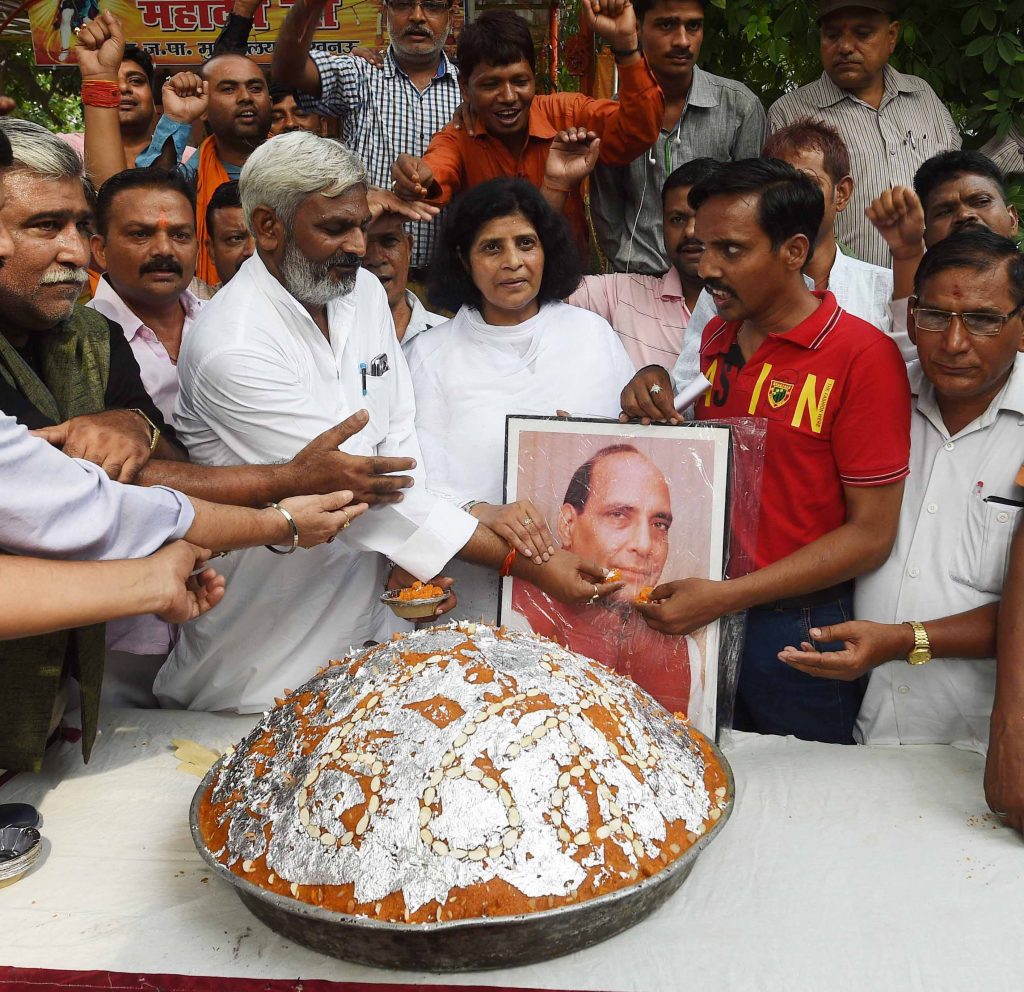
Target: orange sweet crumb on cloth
419, 590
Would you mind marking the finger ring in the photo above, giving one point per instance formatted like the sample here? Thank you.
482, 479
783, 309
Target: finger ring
654, 390
347, 521
999, 812
527, 521
329, 540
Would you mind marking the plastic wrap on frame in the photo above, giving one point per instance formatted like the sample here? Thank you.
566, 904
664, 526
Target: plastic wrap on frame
664, 510
746, 472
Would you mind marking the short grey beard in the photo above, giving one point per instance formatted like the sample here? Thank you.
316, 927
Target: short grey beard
310, 282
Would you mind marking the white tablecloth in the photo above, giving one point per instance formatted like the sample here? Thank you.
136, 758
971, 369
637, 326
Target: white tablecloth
841, 868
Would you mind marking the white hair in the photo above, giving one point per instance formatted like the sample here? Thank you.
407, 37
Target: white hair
40, 152
283, 171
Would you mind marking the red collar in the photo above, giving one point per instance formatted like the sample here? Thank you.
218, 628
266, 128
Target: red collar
811, 333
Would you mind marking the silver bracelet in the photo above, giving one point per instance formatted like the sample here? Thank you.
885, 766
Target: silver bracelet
470, 503
291, 523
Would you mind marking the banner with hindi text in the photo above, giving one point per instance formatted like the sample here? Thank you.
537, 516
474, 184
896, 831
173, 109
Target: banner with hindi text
182, 32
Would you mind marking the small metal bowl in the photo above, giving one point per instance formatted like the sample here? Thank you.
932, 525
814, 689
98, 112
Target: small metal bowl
412, 609
19, 849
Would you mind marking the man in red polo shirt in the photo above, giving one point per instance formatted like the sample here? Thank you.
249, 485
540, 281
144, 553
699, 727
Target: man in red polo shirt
507, 129
834, 392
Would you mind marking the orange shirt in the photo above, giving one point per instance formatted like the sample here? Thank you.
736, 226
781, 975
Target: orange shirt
627, 127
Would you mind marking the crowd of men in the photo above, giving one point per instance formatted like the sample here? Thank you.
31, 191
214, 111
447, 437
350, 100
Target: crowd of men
208, 310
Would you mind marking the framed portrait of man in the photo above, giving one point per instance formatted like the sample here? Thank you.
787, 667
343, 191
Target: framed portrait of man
649, 504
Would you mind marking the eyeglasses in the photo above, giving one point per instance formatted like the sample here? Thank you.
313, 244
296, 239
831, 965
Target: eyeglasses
428, 6
982, 325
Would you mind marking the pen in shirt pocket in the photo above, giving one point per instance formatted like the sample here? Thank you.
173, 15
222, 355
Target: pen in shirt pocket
362, 375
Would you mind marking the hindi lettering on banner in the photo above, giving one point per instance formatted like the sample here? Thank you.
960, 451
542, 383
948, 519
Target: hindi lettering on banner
182, 32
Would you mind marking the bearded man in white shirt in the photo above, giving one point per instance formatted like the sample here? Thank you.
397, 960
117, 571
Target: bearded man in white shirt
935, 600
299, 334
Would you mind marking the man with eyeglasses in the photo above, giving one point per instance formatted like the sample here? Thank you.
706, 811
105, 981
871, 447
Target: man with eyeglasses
927, 626
387, 111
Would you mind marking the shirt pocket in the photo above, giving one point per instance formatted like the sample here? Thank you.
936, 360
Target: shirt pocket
983, 550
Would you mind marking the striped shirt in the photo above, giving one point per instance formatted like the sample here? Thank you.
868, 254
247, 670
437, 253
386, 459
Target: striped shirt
384, 115
886, 145
1008, 154
722, 120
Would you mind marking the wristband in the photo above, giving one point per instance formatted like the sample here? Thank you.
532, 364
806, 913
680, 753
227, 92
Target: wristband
291, 523
154, 435
624, 53
101, 93
506, 567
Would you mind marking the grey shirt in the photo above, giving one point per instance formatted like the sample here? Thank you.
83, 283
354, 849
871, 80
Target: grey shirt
886, 145
1007, 153
722, 120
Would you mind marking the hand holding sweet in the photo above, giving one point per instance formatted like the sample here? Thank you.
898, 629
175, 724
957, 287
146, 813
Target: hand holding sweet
412, 178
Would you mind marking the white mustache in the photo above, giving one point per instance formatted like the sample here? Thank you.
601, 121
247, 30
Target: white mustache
65, 273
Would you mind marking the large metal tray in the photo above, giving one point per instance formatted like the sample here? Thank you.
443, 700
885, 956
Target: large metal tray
462, 945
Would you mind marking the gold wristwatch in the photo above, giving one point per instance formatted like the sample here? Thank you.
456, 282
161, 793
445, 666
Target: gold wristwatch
154, 435
921, 653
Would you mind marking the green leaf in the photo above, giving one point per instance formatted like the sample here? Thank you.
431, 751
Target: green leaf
1008, 48
987, 16
979, 45
990, 59
970, 21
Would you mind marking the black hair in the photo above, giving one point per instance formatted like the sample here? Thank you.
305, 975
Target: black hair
497, 37
578, 491
6, 153
978, 249
789, 201
142, 58
946, 166
225, 195
149, 178
643, 7
689, 175
450, 283
278, 93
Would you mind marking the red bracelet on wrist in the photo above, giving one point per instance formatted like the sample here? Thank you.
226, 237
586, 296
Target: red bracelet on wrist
101, 93
506, 567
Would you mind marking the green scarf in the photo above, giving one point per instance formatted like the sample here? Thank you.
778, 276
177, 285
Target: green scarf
75, 367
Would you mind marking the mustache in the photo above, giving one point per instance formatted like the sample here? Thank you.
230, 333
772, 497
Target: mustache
60, 274
675, 53
690, 243
713, 284
415, 32
162, 263
322, 270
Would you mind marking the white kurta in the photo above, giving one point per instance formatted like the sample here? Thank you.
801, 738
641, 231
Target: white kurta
469, 375
960, 509
258, 382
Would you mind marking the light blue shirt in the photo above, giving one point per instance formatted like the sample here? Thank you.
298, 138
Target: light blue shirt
179, 133
53, 506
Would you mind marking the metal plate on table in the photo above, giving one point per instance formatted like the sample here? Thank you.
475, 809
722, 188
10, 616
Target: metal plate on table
462, 945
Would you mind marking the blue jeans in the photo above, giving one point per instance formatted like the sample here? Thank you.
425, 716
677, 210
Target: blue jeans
773, 698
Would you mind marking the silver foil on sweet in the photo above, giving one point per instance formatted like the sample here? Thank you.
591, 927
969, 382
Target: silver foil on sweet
473, 764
